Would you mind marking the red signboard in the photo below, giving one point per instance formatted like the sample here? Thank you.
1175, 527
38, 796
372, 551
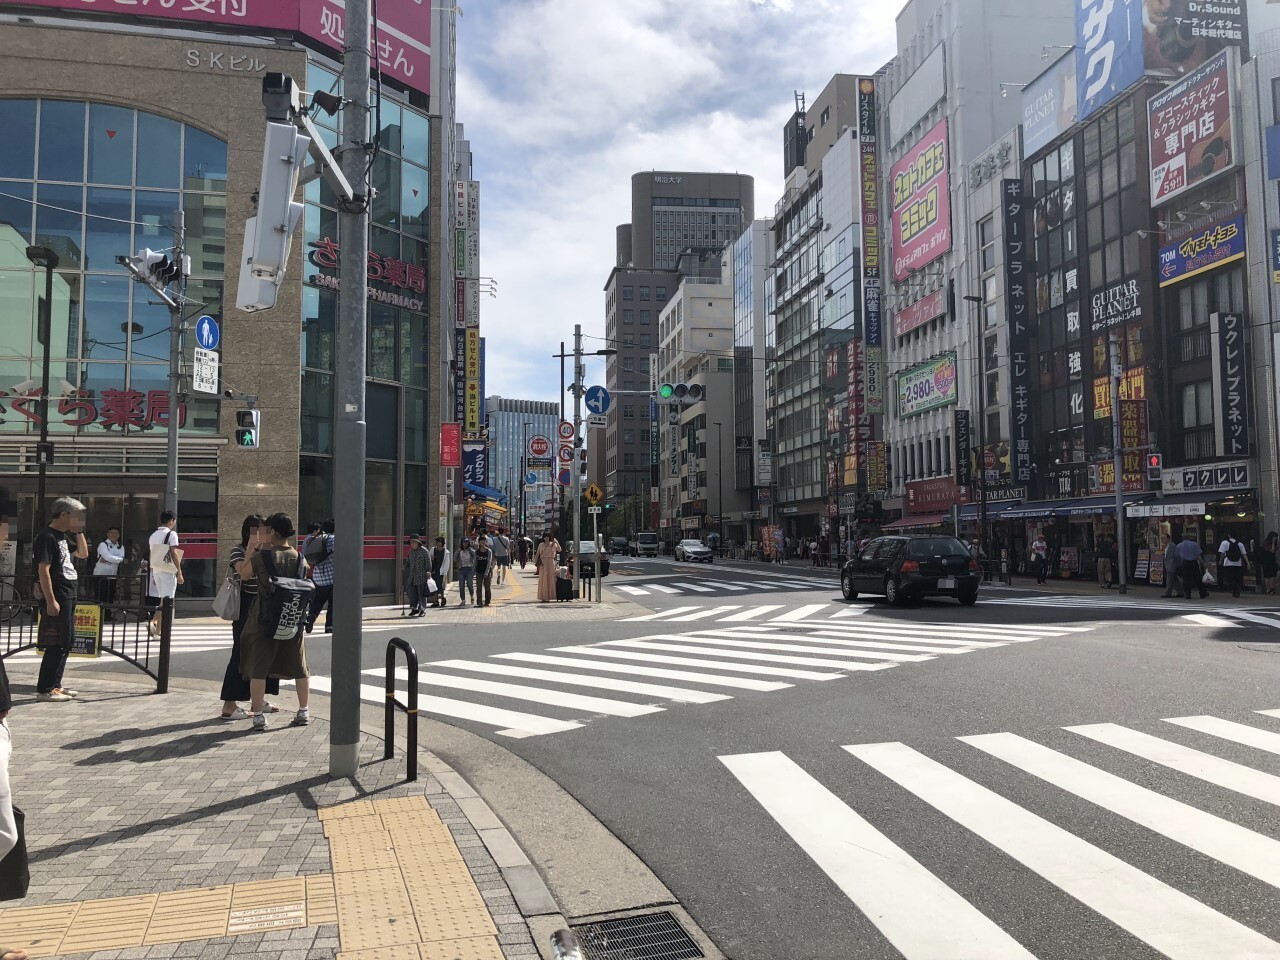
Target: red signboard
450, 444
931, 496
539, 446
403, 38
1189, 126
920, 201
108, 409
921, 312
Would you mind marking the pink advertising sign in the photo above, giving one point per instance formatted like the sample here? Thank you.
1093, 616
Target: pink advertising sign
403, 38
920, 203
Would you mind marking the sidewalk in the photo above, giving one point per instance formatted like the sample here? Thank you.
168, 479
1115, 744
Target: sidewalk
155, 830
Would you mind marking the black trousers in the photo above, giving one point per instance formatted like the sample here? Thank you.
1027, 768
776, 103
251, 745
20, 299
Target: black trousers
1189, 574
54, 660
322, 595
484, 586
1231, 578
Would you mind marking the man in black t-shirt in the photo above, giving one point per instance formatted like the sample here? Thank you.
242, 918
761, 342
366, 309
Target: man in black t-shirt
55, 545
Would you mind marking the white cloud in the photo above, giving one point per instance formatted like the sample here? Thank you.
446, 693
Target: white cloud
564, 100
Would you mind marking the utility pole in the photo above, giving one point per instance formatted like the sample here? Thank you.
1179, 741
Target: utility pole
349, 428
719, 484
1117, 454
578, 374
177, 325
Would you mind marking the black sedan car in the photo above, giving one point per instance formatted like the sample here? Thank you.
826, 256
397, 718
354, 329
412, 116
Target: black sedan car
909, 567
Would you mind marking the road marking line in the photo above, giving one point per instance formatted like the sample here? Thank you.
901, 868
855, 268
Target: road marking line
700, 662
871, 643
725, 585
518, 691
1194, 763
520, 724
679, 694
1168, 920
751, 612
941, 632
714, 679
1246, 615
741, 638
660, 613
1268, 713
724, 651
1249, 852
662, 588
696, 588
703, 614
1230, 730
919, 914
851, 612
800, 613
635, 591
872, 633
1207, 620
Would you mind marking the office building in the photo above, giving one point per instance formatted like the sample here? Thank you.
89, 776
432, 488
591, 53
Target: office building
511, 425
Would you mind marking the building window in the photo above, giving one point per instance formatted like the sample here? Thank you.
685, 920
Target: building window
987, 243
628, 411
629, 364
628, 316
660, 294
644, 293
1196, 411
628, 436
644, 436
628, 459
628, 293
644, 317
644, 339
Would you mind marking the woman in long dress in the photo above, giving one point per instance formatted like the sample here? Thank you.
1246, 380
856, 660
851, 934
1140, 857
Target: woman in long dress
545, 559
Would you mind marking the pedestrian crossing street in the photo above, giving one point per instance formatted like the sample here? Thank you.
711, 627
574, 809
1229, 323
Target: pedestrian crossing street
1208, 616
701, 586
926, 918
643, 675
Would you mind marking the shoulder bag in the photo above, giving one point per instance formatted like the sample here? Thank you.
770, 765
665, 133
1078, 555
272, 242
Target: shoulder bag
227, 603
15, 872
165, 557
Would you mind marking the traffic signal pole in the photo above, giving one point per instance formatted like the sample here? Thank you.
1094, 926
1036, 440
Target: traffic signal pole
349, 412
176, 325
578, 374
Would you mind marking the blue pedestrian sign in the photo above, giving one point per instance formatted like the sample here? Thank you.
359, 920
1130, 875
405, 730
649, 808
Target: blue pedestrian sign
207, 333
597, 400
530, 478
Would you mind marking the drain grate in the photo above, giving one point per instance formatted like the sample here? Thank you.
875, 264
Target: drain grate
650, 936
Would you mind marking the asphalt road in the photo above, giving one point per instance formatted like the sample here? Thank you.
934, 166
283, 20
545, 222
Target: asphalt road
790, 764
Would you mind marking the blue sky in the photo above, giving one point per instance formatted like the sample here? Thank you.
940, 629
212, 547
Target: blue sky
542, 88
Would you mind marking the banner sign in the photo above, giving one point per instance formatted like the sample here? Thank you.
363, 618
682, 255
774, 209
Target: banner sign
861, 427
1229, 342
1109, 58
1017, 306
927, 387
475, 463
1134, 432
1219, 244
472, 371
921, 312
1133, 386
1120, 303
450, 444
921, 203
1190, 128
877, 466
929, 496
1213, 476
872, 317
964, 449
1049, 105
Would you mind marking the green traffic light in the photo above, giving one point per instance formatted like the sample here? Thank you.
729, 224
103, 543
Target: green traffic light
246, 438
666, 391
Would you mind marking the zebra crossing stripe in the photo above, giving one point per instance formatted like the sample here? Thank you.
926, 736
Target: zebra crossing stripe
1204, 766
695, 587
1249, 852
800, 613
701, 662
1230, 730
888, 633
662, 588
634, 591
851, 612
678, 694
751, 613
1253, 617
659, 615
907, 633
1208, 620
1166, 919
713, 679
723, 584
722, 650
839, 639
519, 725
702, 614
1268, 713
919, 914
756, 642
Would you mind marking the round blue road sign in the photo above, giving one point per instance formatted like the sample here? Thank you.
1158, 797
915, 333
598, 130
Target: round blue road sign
530, 477
565, 477
207, 333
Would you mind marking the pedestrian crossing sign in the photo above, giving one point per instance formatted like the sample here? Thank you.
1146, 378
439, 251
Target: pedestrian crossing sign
593, 494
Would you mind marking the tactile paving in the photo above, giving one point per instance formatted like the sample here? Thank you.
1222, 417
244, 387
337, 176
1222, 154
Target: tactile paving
379, 931
388, 901
439, 874
407, 951
395, 804
189, 915
417, 854
322, 905
457, 925
353, 884
457, 897
262, 905
472, 948
116, 924
345, 826
356, 808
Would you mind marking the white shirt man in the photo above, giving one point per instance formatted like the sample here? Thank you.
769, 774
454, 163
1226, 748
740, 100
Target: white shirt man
160, 584
110, 555
1231, 572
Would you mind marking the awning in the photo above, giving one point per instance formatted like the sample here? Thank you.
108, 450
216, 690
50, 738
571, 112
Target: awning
921, 520
970, 510
489, 493
1034, 510
1173, 505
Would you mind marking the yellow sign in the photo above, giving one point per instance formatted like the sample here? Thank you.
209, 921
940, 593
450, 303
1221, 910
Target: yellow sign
594, 494
86, 637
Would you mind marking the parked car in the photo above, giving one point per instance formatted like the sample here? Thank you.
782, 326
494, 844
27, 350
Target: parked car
693, 550
619, 547
587, 551
909, 567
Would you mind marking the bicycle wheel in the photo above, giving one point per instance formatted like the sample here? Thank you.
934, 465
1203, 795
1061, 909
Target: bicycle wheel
9, 598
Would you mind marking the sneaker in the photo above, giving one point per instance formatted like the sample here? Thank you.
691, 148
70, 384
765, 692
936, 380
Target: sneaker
70, 693
300, 719
259, 723
53, 696
237, 714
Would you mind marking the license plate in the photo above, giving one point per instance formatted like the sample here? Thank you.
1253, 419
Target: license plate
947, 583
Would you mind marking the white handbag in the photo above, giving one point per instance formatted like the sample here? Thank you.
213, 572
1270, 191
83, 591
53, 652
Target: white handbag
227, 603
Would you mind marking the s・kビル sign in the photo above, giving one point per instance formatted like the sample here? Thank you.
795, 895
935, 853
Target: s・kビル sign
1206, 249
920, 202
1190, 128
927, 387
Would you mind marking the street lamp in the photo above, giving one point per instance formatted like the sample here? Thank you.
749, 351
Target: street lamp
977, 301
47, 260
719, 482
524, 447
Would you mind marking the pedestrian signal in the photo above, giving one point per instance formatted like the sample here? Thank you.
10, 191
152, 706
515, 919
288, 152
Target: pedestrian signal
1155, 466
248, 423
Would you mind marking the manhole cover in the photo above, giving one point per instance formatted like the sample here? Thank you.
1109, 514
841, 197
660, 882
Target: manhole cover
650, 936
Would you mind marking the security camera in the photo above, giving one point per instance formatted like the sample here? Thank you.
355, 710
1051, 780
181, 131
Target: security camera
228, 394
281, 97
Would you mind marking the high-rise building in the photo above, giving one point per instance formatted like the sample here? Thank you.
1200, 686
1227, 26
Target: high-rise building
751, 256
511, 424
680, 224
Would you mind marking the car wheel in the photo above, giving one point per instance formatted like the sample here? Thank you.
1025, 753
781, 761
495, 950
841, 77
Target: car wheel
968, 599
846, 586
893, 593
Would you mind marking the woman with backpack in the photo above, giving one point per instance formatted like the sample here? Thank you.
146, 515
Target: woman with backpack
234, 686
272, 640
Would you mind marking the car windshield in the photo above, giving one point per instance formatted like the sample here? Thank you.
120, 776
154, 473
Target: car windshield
938, 547
690, 543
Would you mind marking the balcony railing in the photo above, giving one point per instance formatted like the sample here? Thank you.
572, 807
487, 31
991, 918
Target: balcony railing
1193, 344
1198, 443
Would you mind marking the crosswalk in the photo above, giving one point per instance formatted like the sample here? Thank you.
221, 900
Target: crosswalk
702, 586
1209, 616
565, 688
925, 918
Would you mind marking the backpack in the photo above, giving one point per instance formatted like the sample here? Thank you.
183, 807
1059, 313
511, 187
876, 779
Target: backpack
317, 549
284, 608
1233, 550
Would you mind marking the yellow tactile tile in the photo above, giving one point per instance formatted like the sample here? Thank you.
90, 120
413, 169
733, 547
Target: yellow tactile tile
116, 924
419, 831
263, 905
199, 914
345, 826
471, 948
354, 884
38, 930
408, 951
388, 900
379, 931
457, 897
396, 804
356, 808
455, 925
362, 851
439, 874
415, 854
322, 905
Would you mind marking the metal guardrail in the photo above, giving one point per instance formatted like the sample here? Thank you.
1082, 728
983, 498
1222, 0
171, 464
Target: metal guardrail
410, 708
124, 633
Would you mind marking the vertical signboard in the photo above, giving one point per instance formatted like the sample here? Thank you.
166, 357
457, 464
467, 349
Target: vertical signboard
471, 422
869, 180
964, 449
475, 462
921, 203
877, 467
857, 419
1108, 50
450, 444
1229, 332
1190, 128
469, 267
1049, 105
1017, 305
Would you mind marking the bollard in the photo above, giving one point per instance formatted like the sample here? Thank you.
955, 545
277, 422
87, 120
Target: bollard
564, 945
166, 633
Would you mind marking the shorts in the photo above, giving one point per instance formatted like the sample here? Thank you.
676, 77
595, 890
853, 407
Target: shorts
502, 561
162, 585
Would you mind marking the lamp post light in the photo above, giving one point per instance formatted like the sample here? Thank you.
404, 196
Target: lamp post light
524, 447
719, 482
982, 429
47, 260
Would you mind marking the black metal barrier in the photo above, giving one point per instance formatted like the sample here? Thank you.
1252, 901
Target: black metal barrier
410, 708
119, 629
